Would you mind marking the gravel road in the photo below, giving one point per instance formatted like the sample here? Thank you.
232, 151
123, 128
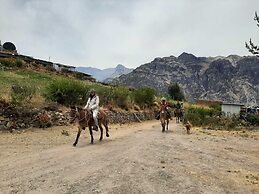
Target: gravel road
137, 158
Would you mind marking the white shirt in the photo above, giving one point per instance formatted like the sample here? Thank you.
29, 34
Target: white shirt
92, 103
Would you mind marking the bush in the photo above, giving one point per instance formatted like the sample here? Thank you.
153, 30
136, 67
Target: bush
202, 116
105, 94
121, 96
22, 93
50, 68
116, 96
78, 75
252, 119
212, 117
144, 97
67, 92
12, 63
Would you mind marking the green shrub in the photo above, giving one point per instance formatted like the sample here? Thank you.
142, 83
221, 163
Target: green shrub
50, 68
22, 93
106, 95
78, 75
12, 63
211, 117
120, 95
65, 70
19, 63
253, 119
202, 116
67, 92
144, 97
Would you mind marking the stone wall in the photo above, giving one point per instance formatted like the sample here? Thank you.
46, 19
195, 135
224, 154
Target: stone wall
12, 118
126, 117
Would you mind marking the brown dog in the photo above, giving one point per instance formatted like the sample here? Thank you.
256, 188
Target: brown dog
188, 127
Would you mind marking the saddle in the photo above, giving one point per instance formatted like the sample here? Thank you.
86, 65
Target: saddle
91, 113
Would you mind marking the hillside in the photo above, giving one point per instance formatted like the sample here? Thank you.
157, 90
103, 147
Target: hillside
231, 79
35, 84
39, 77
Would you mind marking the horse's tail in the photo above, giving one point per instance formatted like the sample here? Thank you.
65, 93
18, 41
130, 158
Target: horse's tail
107, 121
104, 116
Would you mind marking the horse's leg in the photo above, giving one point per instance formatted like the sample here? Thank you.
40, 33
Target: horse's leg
188, 130
101, 129
167, 123
106, 128
78, 135
163, 125
163, 130
91, 133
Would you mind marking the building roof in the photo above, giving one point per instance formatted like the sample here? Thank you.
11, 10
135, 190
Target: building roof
233, 104
65, 66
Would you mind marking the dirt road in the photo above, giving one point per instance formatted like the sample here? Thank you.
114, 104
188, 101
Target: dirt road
137, 158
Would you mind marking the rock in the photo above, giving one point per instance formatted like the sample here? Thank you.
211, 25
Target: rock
20, 119
3, 127
232, 78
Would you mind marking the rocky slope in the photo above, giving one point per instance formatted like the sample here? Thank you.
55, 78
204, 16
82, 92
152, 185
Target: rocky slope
231, 79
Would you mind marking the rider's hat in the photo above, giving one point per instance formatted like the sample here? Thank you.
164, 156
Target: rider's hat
163, 99
92, 91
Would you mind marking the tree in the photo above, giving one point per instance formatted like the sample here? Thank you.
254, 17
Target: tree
175, 92
144, 96
252, 48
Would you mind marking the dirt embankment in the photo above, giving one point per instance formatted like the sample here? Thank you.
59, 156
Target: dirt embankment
137, 158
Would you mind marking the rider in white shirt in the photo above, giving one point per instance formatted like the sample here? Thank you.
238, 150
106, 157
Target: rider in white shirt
93, 104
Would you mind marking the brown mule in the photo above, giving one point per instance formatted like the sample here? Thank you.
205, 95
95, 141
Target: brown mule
164, 118
85, 119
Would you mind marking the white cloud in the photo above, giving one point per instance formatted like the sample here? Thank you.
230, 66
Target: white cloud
103, 33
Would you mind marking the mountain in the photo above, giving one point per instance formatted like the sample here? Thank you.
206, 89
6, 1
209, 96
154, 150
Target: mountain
106, 74
230, 79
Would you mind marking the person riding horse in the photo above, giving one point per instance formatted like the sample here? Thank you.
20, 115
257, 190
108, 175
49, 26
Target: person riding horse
93, 105
178, 111
164, 105
178, 105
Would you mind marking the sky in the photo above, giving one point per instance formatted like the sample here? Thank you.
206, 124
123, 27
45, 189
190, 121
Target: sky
104, 33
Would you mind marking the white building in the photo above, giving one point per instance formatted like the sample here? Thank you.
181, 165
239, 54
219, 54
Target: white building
230, 109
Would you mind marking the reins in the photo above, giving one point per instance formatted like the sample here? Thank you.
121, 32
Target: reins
84, 117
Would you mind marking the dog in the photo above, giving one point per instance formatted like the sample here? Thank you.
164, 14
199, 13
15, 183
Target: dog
188, 127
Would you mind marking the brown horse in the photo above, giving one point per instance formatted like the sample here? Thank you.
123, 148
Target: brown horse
164, 118
85, 119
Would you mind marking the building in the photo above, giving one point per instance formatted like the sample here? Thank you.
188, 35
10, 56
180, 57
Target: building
202, 102
60, 67
231, 109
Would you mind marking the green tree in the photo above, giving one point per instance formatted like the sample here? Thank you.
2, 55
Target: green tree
175, 92
144, 96
252, 48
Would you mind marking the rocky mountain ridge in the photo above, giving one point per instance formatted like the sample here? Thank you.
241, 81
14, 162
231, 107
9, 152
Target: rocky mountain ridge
230, 79
105, 75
